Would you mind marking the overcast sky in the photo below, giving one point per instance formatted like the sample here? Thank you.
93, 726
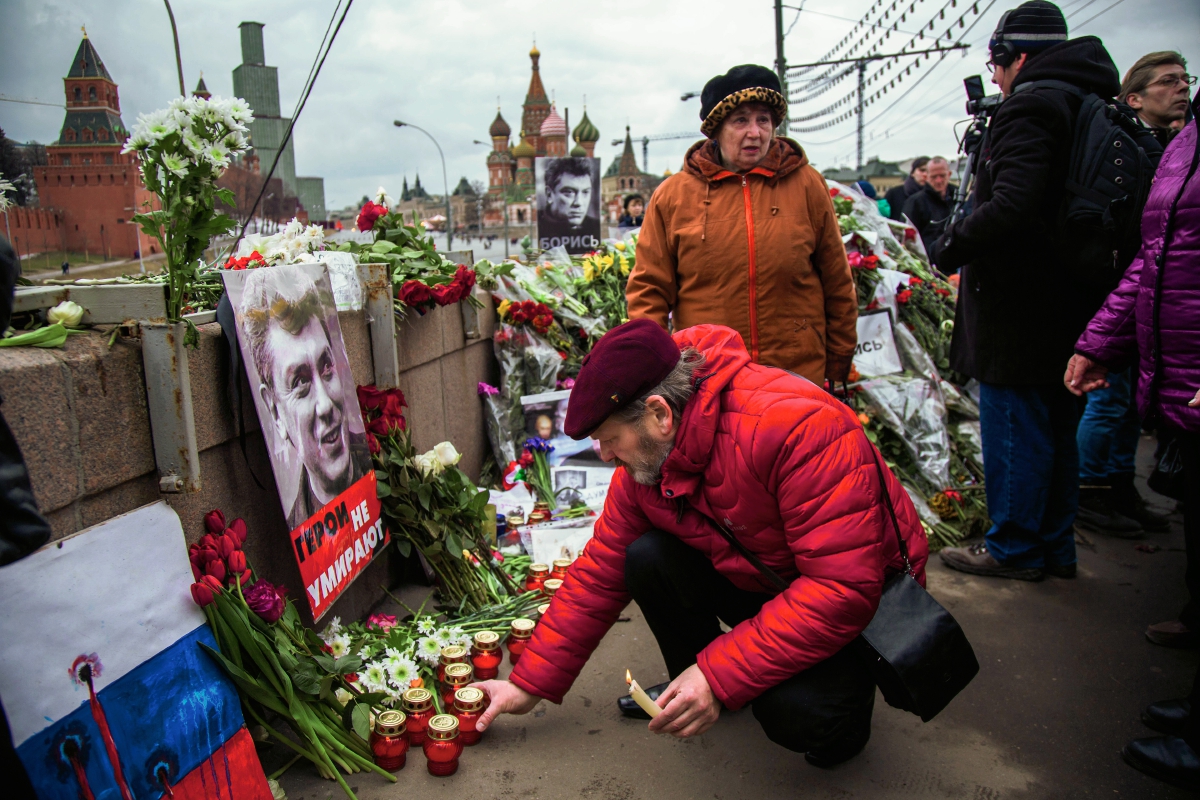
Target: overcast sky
442, 66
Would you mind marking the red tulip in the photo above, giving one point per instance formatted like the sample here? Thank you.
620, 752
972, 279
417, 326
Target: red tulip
202, 593
209, 540
209, 554
196, 573
214, 521
216, 569
237, 561
212, 583
245, 578
238, 527
226, 545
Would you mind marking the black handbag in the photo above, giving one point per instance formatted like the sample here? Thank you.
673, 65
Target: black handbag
1167, 477
919, 656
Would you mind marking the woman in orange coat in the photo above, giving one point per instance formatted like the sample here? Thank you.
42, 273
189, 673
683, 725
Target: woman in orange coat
746, 236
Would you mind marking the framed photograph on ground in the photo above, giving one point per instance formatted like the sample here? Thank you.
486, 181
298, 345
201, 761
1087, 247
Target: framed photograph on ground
568, 203
296, 364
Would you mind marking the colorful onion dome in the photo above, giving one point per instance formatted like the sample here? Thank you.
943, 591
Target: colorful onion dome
585, 131
554, 125
499, 129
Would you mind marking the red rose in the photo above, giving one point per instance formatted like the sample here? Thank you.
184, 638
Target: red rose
379, 426
373, 444
214, 522
202, 593
216, 569
415, 294
393, 403
526, 459
914, 280
903, 296
367, 216
351, 677
444, 294
370, 397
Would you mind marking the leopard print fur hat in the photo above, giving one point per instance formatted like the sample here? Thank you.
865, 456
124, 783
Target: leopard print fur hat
744, 84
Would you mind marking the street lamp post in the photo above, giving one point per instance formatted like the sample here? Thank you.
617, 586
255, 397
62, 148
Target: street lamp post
445, 182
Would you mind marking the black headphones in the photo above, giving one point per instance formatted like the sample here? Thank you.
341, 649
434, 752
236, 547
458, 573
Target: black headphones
1002, 53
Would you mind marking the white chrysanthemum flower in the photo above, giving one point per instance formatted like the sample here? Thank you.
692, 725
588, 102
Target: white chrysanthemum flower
445, 636
383, 198
365, 652
340, 645
426, 625
140, 140
293, 228
238, 110
342, 696
217, 155
428, 649
335, 626
175, 165
392, 652
374, 677
403, 672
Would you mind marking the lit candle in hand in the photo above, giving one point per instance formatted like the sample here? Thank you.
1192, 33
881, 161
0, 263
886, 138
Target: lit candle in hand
640, 697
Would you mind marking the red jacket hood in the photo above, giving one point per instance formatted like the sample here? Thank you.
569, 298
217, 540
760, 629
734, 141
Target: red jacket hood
724, 354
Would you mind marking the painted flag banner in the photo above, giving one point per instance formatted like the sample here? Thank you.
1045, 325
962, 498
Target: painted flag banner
304, 392
111, 696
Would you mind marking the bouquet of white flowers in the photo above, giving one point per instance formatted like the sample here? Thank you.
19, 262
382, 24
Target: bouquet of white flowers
295, 244
182, 150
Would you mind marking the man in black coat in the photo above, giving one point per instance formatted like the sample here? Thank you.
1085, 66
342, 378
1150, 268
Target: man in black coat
1019, 313
898, 195
929, 209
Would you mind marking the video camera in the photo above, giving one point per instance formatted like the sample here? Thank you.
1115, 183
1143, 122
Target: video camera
979, 104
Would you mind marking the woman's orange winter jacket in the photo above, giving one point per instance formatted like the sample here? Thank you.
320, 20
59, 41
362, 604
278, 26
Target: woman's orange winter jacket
760, 253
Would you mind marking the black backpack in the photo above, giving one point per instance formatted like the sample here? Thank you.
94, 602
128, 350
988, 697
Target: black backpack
1113, 159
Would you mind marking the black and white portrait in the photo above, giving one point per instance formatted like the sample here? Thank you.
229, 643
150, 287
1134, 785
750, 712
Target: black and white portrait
568, 203
301, 382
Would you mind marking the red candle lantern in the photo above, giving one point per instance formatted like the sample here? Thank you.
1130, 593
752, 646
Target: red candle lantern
536, 577
542, 609
486, 655
442, 746
457, 676
551, 587
518, 638
541, 513
560, 568
451, 654
468, 706
389, 744
418, 706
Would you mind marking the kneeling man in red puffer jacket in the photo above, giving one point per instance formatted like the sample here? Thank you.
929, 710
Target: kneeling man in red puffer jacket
704, 437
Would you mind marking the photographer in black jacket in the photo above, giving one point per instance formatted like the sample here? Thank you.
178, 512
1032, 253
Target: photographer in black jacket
1019, 313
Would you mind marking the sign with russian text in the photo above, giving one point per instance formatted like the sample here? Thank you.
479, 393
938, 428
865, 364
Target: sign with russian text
876, 352
291, 341
337, 543
568, 203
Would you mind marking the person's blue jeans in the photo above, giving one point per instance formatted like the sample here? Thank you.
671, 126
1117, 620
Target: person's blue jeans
1031, 470
1108, 431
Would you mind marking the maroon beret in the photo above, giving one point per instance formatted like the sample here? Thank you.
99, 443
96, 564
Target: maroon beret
625, 364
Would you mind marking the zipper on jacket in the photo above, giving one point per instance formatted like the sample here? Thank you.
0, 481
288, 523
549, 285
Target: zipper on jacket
753, 287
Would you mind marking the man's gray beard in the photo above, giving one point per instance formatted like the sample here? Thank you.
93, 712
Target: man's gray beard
646, 468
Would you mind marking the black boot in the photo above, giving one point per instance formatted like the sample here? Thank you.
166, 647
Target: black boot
1167, 758
1128, 501
1096, 514
1168, 716
631, 709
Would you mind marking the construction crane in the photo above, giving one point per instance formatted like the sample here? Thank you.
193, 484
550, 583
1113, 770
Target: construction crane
659, 137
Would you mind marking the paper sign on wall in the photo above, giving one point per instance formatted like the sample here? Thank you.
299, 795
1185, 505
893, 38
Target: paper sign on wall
876, 353
304, 393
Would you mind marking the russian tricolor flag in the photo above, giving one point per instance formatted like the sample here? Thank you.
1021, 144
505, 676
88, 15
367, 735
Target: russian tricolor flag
108, 694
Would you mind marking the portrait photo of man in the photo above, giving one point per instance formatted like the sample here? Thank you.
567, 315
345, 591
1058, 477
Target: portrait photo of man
301, 382
568, 203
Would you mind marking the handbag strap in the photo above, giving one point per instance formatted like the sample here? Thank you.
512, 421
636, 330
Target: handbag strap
771, 575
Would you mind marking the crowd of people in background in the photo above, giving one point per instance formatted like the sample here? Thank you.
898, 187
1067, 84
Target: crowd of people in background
1130, 331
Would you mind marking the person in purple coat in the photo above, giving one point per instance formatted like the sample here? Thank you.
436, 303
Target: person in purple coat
1153, 319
